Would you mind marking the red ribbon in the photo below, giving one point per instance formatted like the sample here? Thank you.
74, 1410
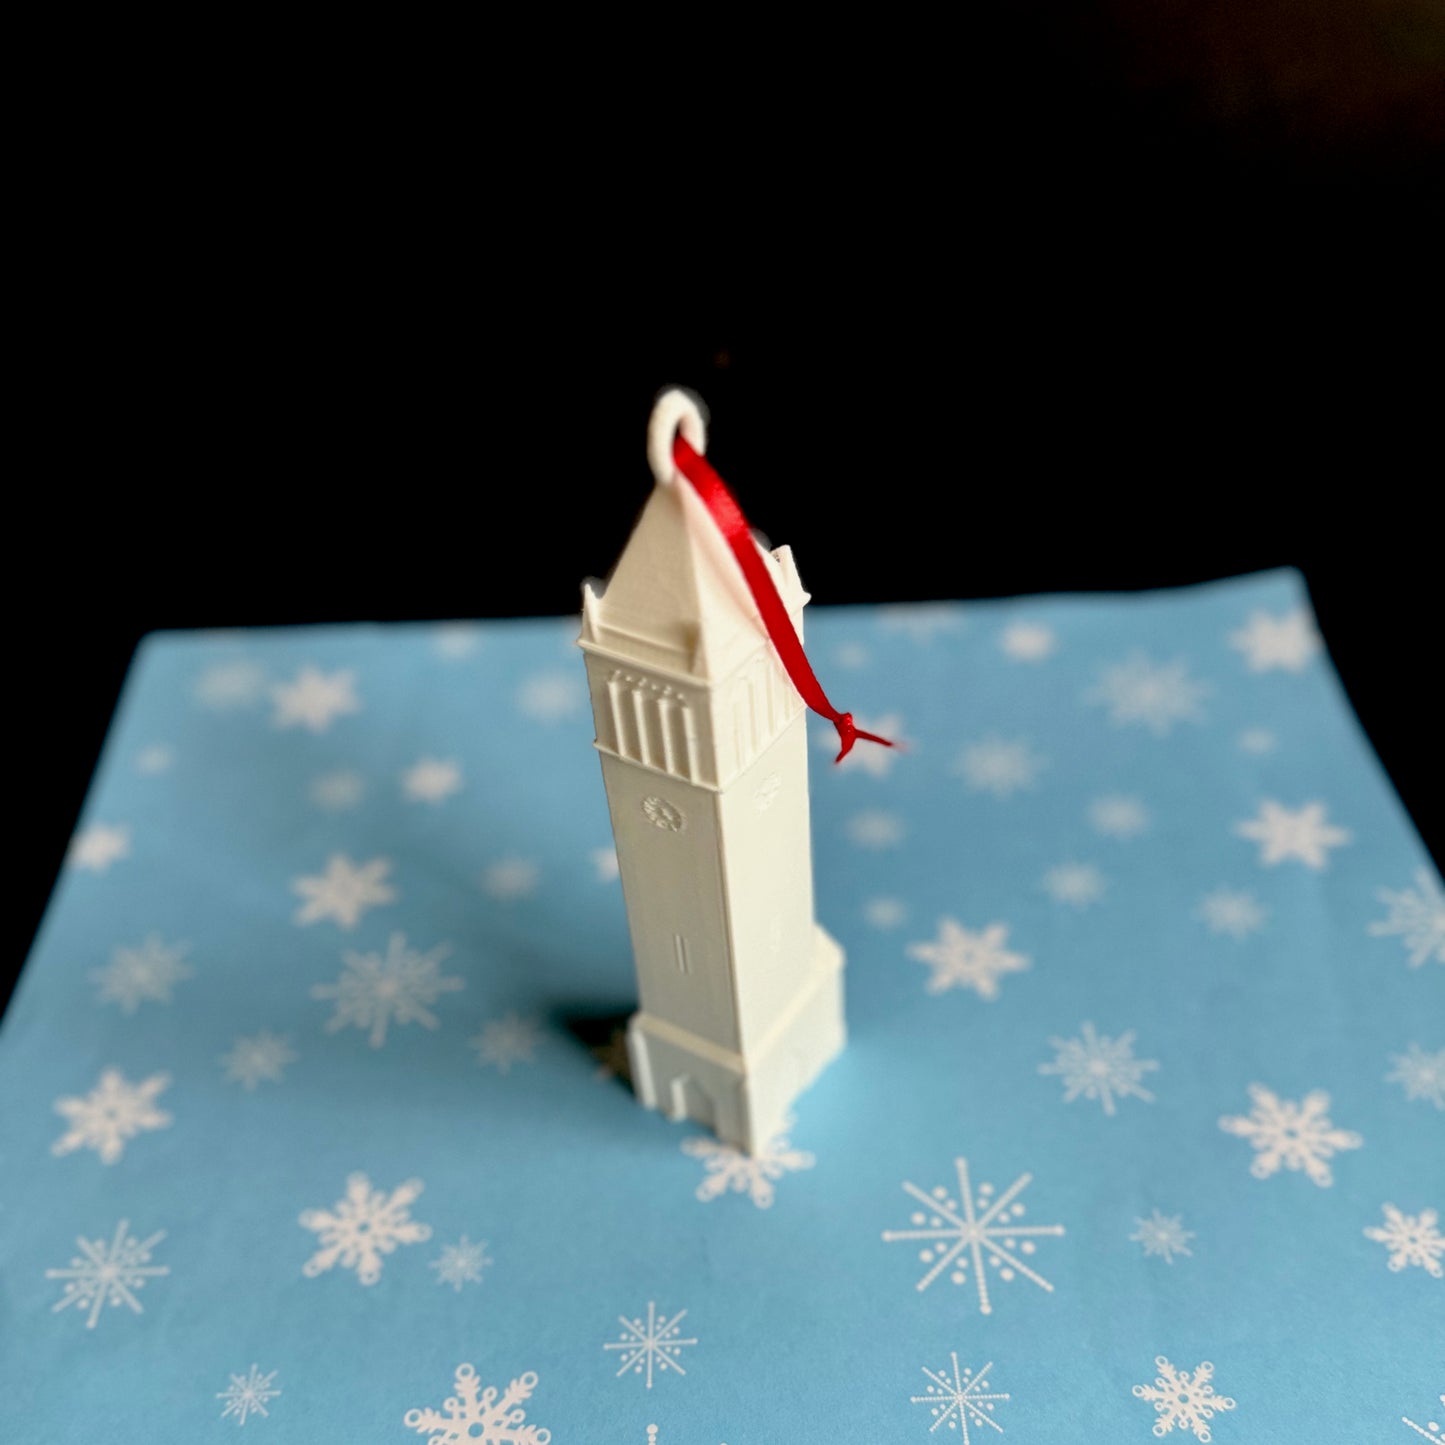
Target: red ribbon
723, 508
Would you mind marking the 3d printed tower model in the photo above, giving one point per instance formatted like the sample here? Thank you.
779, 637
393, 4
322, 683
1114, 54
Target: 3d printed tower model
703, 742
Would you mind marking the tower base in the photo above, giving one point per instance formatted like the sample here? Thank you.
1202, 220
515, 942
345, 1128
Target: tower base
743, 1098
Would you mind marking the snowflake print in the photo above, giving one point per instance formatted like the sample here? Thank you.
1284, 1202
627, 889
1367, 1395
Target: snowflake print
511, 878
314, 699
508, 1040
1153, 695
338, 791
361, 1228
1287, 641
229, 685
1096, 1067
1428, 1431
375, 990
431, 780
461, 1263
1256, 740
978, 1224
1304, 834
1118, 817
550, 696
961, 1399
852, 655
996, 766
1077, 884
651, 1344
885, 912
261, 1056
108, 1274
344, 892
960, 958
1163, 1235
921, 621
1418, 918
874, 761
876, 829
96, 847
1296, 1136
456, 639
1028, 641
1234, 912
1412, 1239
147, 972
154, 760
477, 1417
113, 1112
604, 864
1422, 1074
1183, 1401
726, 1168
247, 1394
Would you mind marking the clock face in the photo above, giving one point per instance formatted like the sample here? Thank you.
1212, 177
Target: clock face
663, 814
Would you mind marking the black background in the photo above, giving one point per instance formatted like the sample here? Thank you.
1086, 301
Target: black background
1106, 296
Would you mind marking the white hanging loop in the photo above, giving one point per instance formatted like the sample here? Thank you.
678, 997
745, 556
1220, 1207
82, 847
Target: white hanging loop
674, 410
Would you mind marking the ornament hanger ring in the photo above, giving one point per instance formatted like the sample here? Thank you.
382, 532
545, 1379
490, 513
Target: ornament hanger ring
674, 410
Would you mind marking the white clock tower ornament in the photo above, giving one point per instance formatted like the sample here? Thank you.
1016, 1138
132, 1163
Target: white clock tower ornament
704, 753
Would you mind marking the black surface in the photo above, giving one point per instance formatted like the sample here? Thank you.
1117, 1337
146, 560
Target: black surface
1121, 296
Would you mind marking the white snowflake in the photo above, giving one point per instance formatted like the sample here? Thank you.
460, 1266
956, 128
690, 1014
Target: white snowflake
1153, 695
960, 958
604, 864
1412, 1239
852, 655
99, 845
993, 765
508, 1040
1235, 912
315, 699
510, 878
550, 696
726, 1168
1421, 1073
1428, 1431
866, 757
338, 791
134, 975
461, 1263
361, 1228
651, 1344
1028, 641
1118, 817
108, 1274
978, 1224
1183, 1401
1304, 834
1256, 740
885, 912
261, 1056
345, 891
153, 760
1296, 1136
1164, 1235
227, 685
1077, 884
374, 990
247, 1394
431, 780
1418, 918
477, 1417
958, 1400
1096, 1067
922, 621
876, 829
456, 639
113, 1112
1287, 641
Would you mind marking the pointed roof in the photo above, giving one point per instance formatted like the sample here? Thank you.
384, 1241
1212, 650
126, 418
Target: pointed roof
676, 598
